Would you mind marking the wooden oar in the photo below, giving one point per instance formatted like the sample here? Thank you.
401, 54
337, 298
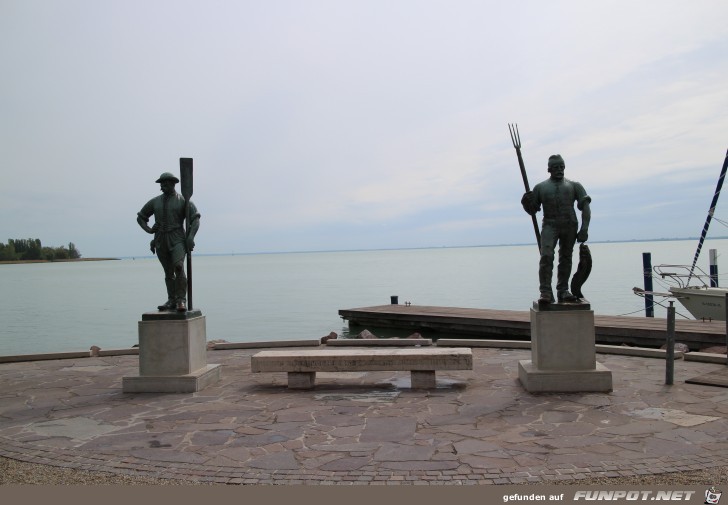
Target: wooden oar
185, 172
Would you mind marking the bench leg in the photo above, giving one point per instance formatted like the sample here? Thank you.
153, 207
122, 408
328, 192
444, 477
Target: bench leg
301, 380
423, 379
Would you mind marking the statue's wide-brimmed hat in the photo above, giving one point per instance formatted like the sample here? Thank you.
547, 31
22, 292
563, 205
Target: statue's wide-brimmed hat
167, 176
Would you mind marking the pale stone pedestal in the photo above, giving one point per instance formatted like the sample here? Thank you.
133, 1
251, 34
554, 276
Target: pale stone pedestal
172, 355
563, 354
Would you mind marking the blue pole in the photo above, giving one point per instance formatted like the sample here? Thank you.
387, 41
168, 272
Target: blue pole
713, 254
647, 273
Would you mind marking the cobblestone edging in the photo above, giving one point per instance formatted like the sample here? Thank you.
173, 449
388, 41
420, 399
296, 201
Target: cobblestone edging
464, 475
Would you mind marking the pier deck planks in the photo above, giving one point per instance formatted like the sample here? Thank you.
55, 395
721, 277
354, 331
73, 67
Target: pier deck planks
436, 322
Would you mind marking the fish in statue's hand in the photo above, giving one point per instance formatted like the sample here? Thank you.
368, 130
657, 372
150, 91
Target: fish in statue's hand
582, 271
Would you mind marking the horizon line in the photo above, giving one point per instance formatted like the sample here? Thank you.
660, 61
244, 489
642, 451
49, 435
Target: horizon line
518, 244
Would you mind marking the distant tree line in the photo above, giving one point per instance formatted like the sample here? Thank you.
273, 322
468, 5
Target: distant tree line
32, 249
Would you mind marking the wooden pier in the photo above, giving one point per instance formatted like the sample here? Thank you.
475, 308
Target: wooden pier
449, 322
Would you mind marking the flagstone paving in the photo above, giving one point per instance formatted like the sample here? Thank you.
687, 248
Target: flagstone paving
478, 427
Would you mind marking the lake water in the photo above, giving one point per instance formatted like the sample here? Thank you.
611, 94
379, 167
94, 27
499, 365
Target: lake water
54, 307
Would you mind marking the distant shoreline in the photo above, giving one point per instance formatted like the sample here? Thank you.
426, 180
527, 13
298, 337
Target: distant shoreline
375, 249
57, 261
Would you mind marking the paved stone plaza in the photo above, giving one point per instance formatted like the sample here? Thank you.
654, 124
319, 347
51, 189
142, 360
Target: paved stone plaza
477, 427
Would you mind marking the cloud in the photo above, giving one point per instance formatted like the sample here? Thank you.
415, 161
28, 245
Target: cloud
324, 124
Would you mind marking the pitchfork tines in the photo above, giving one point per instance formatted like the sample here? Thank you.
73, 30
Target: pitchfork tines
515, 137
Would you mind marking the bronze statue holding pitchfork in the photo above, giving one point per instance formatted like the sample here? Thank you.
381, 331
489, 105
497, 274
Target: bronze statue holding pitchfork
557, 195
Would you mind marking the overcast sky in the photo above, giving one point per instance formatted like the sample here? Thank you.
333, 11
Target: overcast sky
346, 124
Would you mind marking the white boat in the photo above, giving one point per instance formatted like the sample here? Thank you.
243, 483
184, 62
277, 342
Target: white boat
701, 300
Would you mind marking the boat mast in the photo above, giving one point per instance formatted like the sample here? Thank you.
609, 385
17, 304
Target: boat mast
710, 214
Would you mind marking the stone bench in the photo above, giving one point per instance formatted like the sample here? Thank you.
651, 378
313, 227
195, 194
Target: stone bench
380, 342
302, 365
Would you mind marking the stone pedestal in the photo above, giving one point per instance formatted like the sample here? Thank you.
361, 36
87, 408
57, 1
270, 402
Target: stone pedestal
172, 355
563, 352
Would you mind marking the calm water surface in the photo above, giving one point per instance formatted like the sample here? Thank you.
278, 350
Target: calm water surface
72, 306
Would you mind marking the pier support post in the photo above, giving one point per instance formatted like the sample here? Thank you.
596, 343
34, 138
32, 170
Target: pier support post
647, 274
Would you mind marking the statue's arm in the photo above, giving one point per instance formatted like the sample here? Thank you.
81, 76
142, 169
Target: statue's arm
144, 215
194, 225
144, 223
583, 204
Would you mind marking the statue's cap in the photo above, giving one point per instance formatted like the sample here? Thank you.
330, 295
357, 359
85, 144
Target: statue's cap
555, 158
167, 176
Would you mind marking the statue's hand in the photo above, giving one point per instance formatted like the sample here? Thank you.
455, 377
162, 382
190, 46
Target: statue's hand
154, 228
582, 236
190, 243
528, 203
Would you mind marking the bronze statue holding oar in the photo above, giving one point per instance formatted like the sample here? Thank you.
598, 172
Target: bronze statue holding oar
171, 241
558, 195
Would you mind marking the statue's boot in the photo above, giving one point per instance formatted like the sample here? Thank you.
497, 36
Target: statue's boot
545, 272
562, 279
170, 303
546, 297
565, 296
181, 293
562, 290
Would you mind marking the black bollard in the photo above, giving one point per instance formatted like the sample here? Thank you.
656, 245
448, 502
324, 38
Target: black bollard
670, 358
395, 300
